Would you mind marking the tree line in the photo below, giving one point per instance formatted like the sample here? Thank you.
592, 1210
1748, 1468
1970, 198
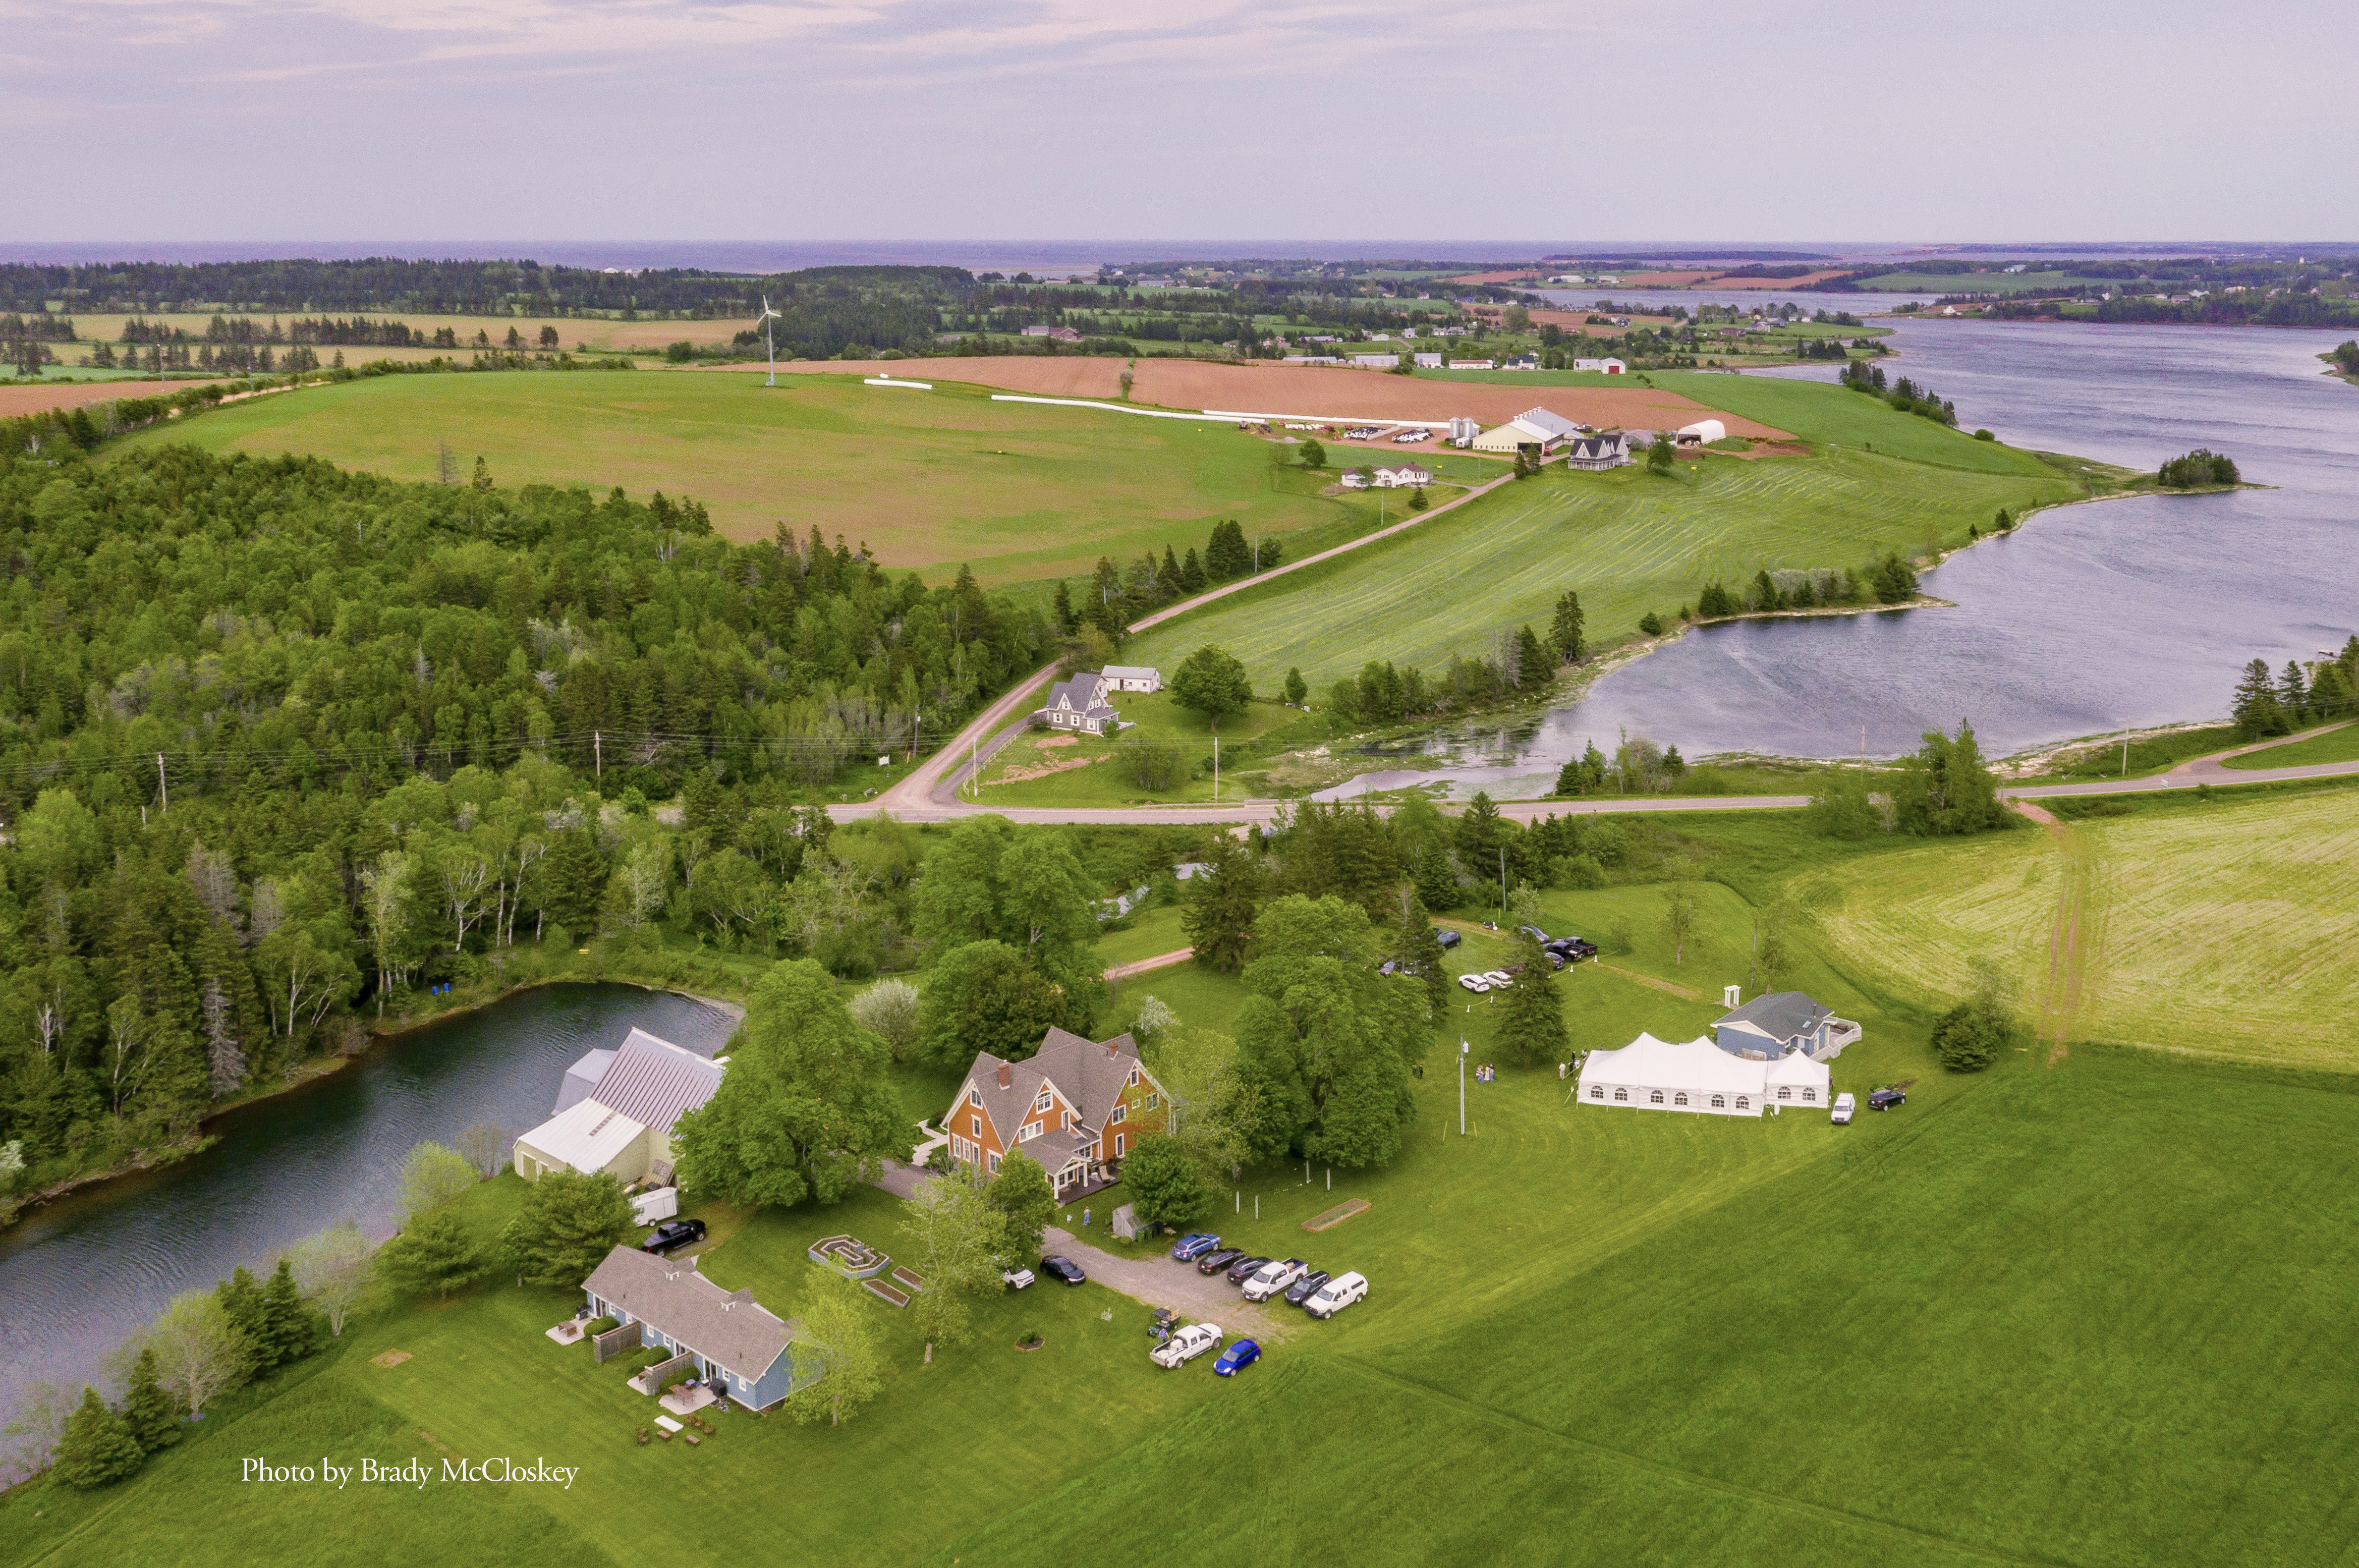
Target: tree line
1904, 394
2264, 705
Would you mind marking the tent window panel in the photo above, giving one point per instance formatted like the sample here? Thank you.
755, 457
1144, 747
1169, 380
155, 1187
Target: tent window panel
1597, 1093
1784, 1094
1810, 1094
1744, 1104
1680, 1099
1656, 1098
1621, 1094
1720, 1101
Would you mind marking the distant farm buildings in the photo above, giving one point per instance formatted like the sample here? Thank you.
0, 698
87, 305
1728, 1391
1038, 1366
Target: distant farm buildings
1473, 364
1601, 366
1426, 360
1703, 432
1532, 428
1375, 361
1054, 334
1133, 678
1408, 475
1463, 431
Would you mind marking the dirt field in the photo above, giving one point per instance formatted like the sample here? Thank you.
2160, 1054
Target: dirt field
1062, 376
15, 400
1297, 391
1665, 279
1821, 276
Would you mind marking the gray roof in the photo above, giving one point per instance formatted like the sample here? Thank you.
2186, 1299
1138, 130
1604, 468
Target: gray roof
1130, 672
581, 1080
1555, 424
1780, 1015
1080, 694
654, 1080
1090, 1075
726, 1326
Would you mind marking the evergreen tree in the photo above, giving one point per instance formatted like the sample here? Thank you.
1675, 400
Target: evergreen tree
2293, 693
1565, 628
1895, 583
565, 1227
1064, 607
1437, 880
286, 1320
240, 1299
1533, 663
1531, 1017
1418, 946
1297, 689
151, 1413
1965, 1040
1946, 788
1222, 905
2255, 706
1191, 574
97, 1448
436, 1252
1765, 591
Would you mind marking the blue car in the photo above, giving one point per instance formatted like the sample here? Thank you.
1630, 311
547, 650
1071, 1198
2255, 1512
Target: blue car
1194, 1245
1240, 1355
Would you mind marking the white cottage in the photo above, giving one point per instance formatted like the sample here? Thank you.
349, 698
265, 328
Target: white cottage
1698, 1077
1133, 678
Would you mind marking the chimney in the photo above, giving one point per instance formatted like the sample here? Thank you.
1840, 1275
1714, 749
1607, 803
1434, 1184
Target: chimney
1005, 1078
1113, 1050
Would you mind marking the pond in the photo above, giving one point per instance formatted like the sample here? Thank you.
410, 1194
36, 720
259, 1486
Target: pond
80, 1274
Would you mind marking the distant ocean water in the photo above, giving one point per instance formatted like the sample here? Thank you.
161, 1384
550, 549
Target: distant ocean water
1039, 257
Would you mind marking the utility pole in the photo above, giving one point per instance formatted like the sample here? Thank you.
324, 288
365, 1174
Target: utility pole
598, 753
163, 790
1217, 768
1502, 884
1462, 1049
2125, 756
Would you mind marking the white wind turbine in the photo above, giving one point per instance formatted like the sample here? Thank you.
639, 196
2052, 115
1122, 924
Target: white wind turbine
766, 318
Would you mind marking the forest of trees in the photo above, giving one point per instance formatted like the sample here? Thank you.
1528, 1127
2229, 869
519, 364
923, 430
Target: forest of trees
278, 739
2267, 705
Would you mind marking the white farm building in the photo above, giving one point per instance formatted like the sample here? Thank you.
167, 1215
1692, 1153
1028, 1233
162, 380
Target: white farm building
1651, 1074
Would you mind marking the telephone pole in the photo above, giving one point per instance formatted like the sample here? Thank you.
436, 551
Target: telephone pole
163, 790
598, 753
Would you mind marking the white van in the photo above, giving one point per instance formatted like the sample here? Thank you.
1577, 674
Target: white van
1845, 1106
1336, 1294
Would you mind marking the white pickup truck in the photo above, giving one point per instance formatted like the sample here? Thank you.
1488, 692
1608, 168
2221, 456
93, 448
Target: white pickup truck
1186, 1346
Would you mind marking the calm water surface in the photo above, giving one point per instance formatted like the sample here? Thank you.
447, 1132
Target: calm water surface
79, 1275
2089, 618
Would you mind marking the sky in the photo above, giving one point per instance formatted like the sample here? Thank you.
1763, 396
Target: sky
1275, 120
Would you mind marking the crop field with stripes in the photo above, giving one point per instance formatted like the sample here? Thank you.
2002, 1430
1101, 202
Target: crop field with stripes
2260, 898
1628, 541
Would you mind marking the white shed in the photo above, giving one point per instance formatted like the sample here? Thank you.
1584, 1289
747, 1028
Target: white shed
1703, 432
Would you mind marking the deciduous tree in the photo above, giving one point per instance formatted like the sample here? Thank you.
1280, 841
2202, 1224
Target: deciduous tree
333, 1268
837, 1346
1026, 1203
1166, 1181
1212, 682
435, 1251
955, 1238
200, 1352
433, 1176
565, 1227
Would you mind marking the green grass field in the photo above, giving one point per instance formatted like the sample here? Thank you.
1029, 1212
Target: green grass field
2091, 1312
1628, 541
1055, 769
928, 479
2335, 745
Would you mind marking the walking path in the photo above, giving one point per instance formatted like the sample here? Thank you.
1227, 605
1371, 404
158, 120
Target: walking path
1160, 961
2213, 770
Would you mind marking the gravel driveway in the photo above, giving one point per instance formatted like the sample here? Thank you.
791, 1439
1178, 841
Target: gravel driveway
1156, 1280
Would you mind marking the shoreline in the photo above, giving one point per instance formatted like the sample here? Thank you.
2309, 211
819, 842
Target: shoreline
381, 1034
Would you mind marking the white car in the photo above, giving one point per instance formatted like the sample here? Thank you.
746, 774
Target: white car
1272, 1278
1186, 1346
1500, 979
1336, 1294
1018, 1277
1474, 982
1845, 1106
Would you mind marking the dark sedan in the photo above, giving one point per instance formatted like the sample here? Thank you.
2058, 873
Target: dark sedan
1300, 1291
673, 1232
1064, 1269
1242, 1270
1216, 1262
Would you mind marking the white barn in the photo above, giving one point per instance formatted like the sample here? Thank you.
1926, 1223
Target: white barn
1133, 678
1701, 1078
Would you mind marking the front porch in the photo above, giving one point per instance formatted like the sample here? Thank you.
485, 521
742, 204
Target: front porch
1086, 1181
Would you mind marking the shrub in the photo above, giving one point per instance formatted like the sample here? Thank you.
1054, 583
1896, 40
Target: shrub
1651, 624
1965, 1040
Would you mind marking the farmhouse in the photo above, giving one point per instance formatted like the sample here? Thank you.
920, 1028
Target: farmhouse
1533, 427
1408, 475
1080, 705
1601, 366
723, 1335
1054, 334
1523, 362
1075, 1109
615, 1110
1132, 678
1698, 1076
1779, 1023
1607, 449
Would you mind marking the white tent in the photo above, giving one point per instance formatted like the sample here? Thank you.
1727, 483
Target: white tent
1698, 1076
1794, 1080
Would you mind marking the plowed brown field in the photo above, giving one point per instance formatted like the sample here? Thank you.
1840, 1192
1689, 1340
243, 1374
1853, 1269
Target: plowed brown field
15, 400
1061, 375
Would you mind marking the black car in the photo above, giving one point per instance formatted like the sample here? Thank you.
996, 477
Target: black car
1242, 1270
673, 1232
1884, 1099
1300, 1291
1571, 948
1064, 1269
1448, 939
1216, 1262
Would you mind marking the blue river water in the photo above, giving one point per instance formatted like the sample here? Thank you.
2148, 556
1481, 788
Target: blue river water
2109, 615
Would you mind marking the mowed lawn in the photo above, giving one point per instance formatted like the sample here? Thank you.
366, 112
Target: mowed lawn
2339, 745
1628, 541
928, 480
2221, 929
1065, 769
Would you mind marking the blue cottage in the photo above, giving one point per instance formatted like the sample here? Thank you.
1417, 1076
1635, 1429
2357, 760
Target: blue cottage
730, 1336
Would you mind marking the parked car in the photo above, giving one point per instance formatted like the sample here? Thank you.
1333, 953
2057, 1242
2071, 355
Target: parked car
1063, 1269
1019, 1278
1389, 966
673, 1232
1244, 1268
1186, 1346
1534, 932
1302, 1290
1474, 983
1240, 1355
1845, 1105
1447, 937
1218, 1262
1336, 1294
1498, 977
1271, 1277
1194, 1245
1572, 949
1884, 1099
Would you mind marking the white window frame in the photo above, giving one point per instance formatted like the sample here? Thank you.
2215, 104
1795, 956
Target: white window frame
1121, 1113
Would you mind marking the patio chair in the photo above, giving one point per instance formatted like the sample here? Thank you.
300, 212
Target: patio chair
643, 1437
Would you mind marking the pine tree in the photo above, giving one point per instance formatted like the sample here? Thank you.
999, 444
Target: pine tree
1065, 622
1191, 574
1437, 880
1222, 904
241, 1297
436, 1253
152, 1414
1533, 663
1765, 591
1531, 1017
2293, 693
1297, 689
97, 1448
2254, 705
1418, 946
1565, 629
285, 1317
